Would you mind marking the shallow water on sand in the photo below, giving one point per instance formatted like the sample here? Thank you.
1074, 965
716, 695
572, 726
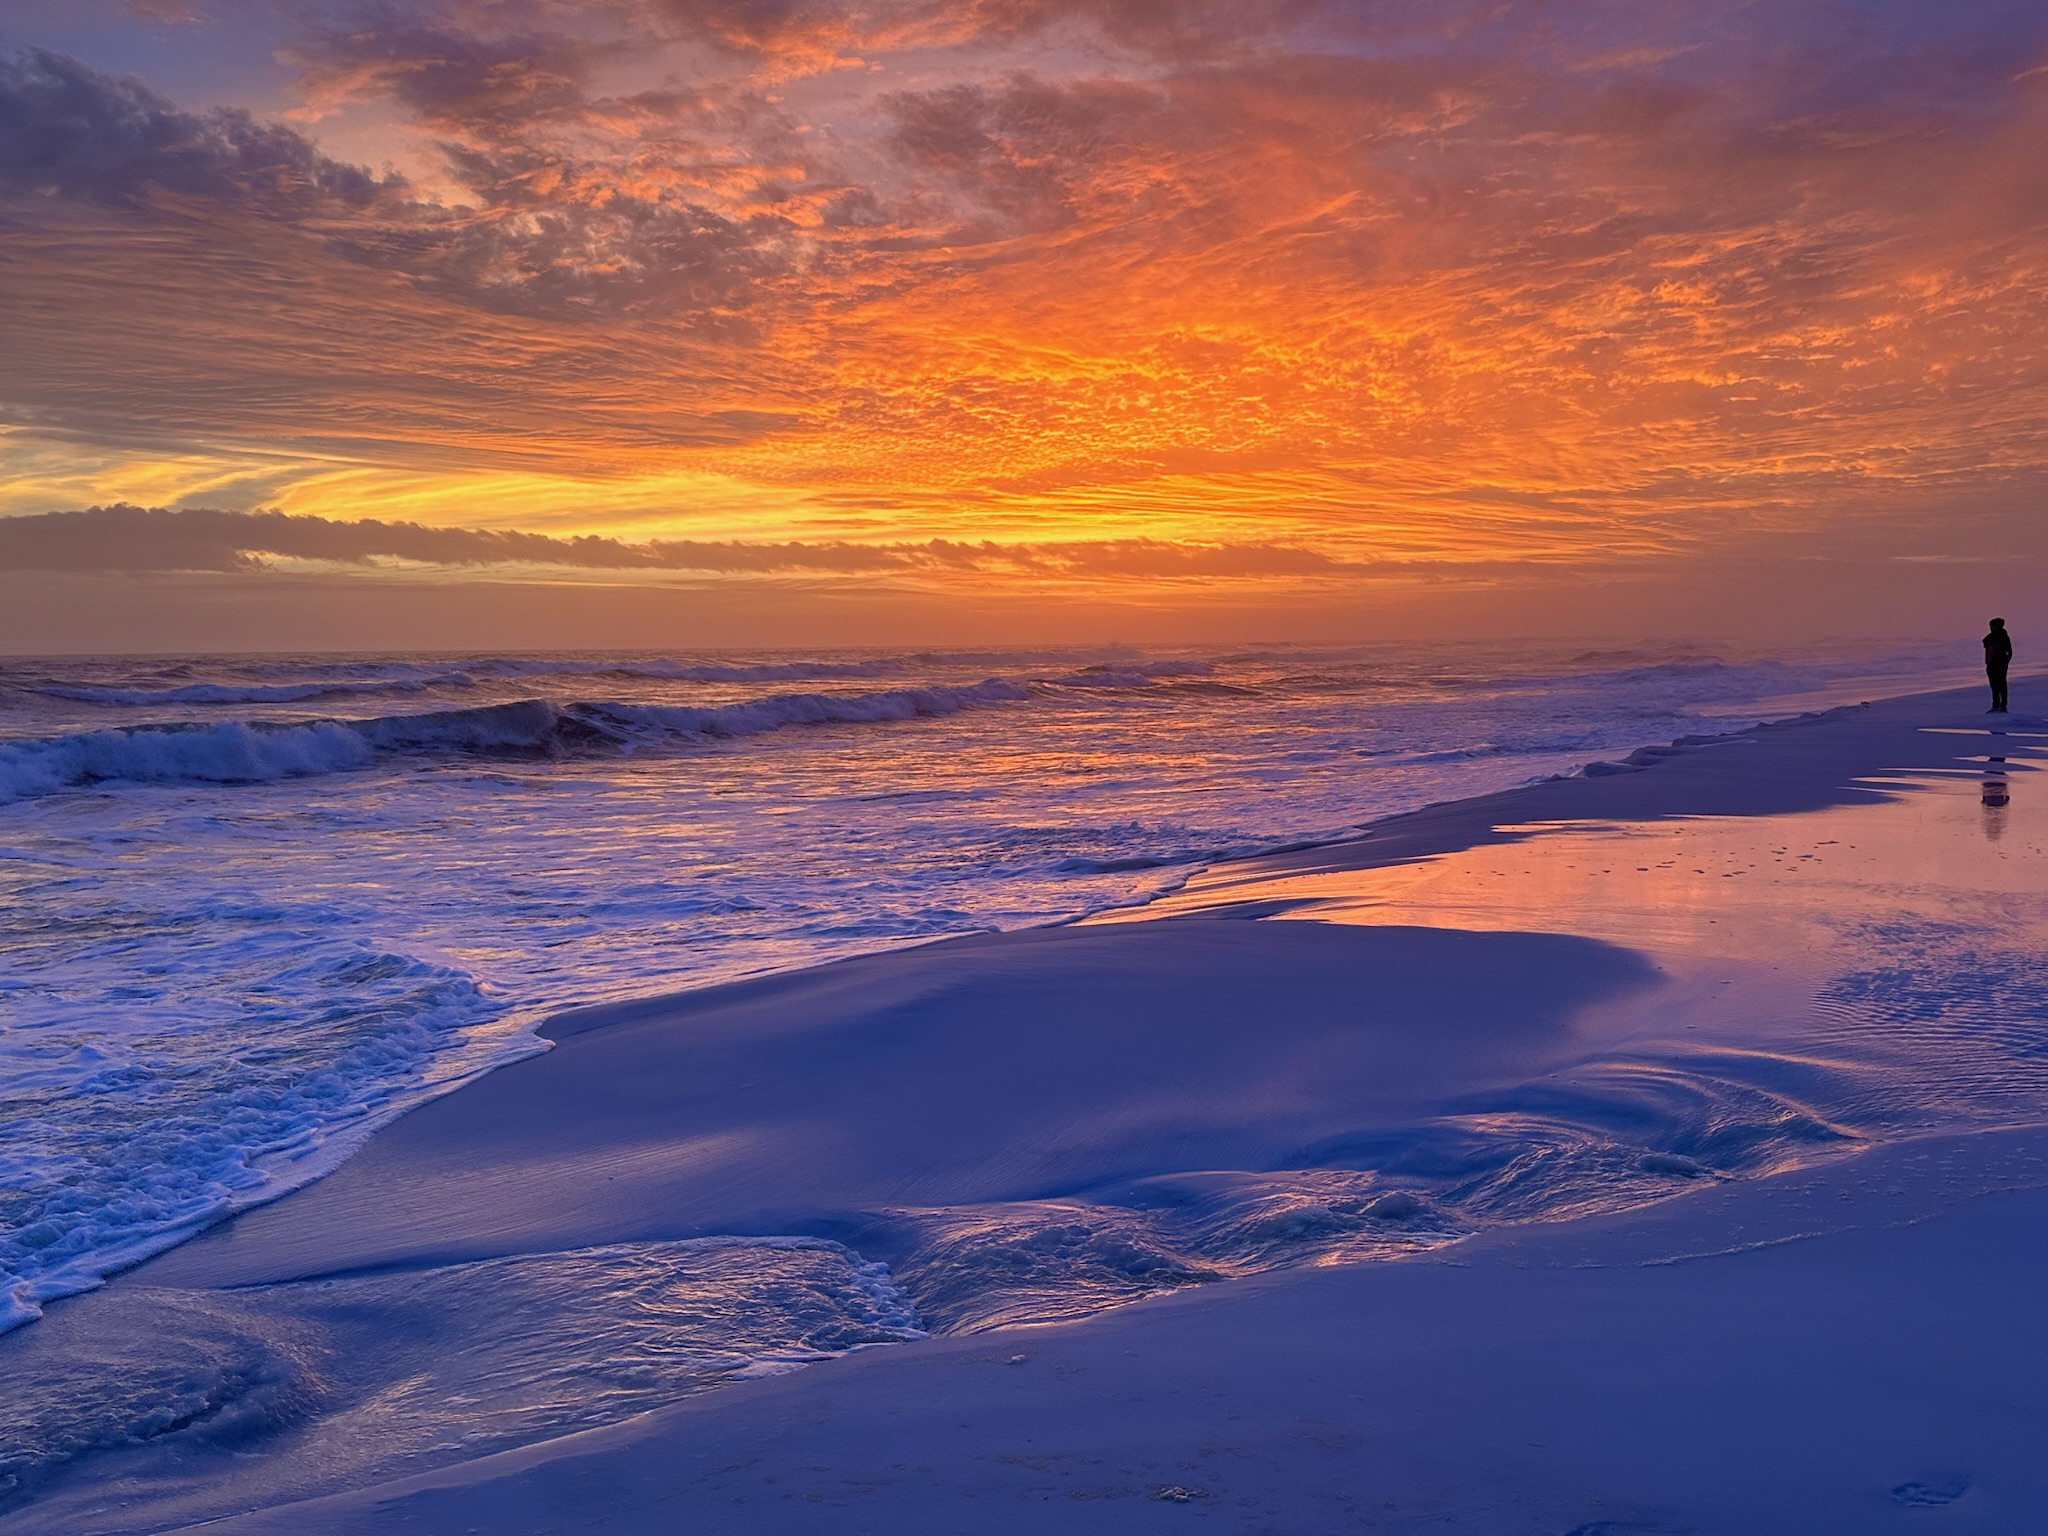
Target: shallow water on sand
1859, 973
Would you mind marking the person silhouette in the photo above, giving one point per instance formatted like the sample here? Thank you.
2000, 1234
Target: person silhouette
1997, 657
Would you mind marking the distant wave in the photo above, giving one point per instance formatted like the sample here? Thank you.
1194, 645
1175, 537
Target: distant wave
1037, 656
1107, 669
349, 677
250, 752
754, 716
296, 680
1135, 674
387, 669
668, 669
689, 672
250, 693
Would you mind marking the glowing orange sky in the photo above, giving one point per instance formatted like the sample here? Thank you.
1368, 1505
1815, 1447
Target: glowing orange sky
1435, 294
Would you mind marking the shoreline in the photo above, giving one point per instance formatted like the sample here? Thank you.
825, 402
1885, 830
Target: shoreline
938, 1109
1432, 834
502, 1021
523, 1031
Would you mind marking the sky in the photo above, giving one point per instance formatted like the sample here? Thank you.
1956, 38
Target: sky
792, 321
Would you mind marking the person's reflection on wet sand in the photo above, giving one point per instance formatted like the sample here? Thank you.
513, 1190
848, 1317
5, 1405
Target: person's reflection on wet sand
1997, 796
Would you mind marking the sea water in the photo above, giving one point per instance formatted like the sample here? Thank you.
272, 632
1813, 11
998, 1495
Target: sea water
254, 906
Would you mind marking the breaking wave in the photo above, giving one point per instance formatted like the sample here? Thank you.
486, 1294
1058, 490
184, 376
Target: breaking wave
250, 752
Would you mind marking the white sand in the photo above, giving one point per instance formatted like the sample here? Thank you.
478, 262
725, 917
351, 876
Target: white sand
1531, 1188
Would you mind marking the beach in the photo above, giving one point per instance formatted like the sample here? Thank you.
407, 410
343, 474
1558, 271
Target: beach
967, 766
1655, 1149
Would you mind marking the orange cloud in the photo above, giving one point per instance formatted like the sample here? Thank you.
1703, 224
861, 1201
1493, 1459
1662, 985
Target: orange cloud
1458, 290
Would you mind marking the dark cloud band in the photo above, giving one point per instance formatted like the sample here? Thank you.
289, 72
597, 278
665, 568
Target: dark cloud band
130, 538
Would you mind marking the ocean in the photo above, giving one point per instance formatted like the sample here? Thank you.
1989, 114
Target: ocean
255, 906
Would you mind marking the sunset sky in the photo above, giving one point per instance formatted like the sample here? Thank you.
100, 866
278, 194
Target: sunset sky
808, 320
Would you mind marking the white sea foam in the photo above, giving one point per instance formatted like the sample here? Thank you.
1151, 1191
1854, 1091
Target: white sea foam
229, 752
326, 1039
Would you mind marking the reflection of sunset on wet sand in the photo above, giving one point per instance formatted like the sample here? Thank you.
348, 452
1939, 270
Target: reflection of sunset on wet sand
1774, 889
